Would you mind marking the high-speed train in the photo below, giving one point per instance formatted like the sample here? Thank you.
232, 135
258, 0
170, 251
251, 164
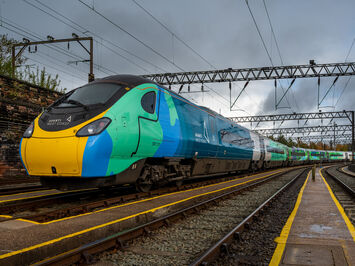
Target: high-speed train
125, 129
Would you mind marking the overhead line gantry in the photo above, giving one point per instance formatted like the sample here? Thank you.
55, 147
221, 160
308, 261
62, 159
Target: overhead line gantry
261, 73
294, 116
323, 130
305, 130
312, 70
316, 138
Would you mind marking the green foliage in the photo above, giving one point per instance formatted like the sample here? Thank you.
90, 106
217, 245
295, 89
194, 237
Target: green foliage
5, 56
39, 77
312, 145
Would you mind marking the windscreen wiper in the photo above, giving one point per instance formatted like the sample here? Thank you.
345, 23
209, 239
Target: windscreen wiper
74, 102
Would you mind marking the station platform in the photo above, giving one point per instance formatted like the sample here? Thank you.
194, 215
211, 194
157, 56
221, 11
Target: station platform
24, 242
317, 232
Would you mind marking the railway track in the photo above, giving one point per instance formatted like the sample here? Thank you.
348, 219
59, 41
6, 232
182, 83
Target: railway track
7, 191
185, 234
343, 186
17, 180
87, 201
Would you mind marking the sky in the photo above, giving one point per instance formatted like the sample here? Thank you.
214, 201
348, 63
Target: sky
146, 36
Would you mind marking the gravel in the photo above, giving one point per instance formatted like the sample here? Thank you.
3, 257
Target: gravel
183, 241
257, 245
347, 179
343, 197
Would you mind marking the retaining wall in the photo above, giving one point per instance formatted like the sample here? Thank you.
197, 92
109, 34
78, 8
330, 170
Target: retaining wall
20, 103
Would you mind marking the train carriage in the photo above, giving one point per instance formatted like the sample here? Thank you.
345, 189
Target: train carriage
129, 130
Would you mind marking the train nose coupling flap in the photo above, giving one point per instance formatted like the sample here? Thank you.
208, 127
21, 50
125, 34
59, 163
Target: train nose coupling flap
54, 170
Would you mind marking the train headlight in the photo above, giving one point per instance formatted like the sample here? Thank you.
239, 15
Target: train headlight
29, 131
94, 128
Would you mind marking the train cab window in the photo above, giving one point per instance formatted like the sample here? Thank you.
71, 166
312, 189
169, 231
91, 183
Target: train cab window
95, 93
148, 102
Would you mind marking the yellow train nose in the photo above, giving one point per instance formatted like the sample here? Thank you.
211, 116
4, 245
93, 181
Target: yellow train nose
52, 156
53, 153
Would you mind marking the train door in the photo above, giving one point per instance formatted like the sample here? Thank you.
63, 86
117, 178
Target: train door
213, 138
150, 132
262, 149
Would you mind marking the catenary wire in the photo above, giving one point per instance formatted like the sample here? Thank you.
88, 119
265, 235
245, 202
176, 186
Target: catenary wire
278, 48
264, 45
174, 34
53, 46
82, 30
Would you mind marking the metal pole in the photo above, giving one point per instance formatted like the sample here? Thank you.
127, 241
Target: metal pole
334, 138
318, 91
230, 97
352, 135
13, 61
76, 38
91, 74
275, 85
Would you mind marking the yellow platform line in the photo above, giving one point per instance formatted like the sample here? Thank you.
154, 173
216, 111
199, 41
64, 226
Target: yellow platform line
282, 239
147, 199
341, 209
128, 217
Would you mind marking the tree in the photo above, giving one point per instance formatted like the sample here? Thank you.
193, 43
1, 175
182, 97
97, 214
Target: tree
39, 77
5, 56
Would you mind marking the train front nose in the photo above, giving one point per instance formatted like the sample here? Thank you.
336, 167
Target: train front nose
82, 151
53, 154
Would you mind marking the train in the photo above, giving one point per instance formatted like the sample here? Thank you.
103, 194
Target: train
125, 129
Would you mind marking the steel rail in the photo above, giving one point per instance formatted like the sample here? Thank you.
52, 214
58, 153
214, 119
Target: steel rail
107, 202
14, 190
85, 253
87, 207
25, 204
13, 181
347, 188
223, 244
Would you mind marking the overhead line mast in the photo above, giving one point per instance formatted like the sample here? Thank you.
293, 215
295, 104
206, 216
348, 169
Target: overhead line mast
75, 38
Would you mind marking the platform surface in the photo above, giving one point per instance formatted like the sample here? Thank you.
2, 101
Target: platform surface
319, 233
26, 241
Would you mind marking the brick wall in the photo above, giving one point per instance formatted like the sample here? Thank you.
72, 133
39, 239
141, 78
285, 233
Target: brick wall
20, 103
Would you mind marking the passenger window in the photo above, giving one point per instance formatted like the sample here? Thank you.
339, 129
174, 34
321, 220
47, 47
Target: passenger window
148, 102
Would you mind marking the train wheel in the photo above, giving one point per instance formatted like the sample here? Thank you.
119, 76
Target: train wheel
179, 183
143, 186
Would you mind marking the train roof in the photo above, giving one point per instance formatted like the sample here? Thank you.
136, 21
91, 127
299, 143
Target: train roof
131, 80
134, 80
